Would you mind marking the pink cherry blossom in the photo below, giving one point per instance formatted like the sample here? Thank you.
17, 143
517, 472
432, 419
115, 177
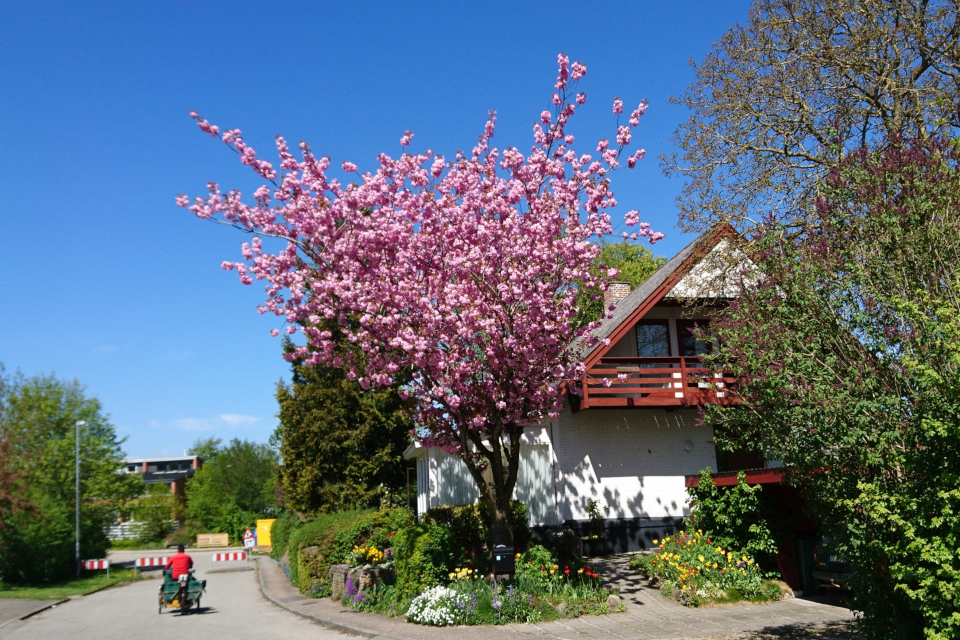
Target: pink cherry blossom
460, 272
617, 106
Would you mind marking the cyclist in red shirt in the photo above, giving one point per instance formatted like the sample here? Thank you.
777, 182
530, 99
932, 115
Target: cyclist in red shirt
180, 563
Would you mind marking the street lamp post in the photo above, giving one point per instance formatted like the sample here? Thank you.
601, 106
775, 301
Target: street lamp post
77, 425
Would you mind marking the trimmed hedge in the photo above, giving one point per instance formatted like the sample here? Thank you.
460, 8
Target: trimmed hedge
280, 533
328, 539
424, 558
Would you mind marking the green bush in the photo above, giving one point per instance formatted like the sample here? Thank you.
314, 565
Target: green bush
181, 535
463, 522
731, 516
153, 510
470, 524
280, 532
533, 569
424, 557
328, 539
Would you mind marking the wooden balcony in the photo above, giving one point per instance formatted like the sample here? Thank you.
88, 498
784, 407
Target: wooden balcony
655, 382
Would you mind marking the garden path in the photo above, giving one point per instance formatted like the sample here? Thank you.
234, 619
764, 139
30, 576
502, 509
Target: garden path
650, 616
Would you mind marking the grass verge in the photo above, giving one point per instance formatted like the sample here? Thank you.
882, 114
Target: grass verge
86, 584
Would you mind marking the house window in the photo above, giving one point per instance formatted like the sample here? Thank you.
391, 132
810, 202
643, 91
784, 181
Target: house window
653, 339
689, 344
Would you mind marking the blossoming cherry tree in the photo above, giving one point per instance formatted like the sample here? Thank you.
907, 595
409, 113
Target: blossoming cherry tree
462, 271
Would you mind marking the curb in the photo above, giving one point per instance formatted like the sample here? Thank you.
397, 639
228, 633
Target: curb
51, 605
329, 624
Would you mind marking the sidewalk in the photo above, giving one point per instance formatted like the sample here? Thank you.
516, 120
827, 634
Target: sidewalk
648, 616
12, 609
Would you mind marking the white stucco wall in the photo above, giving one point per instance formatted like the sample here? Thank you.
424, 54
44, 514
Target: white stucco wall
632, 460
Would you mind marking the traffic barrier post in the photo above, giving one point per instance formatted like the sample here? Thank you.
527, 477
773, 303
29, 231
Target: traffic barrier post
158, 561
230, 556
94, 565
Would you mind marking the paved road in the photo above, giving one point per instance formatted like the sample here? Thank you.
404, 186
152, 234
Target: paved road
233, 609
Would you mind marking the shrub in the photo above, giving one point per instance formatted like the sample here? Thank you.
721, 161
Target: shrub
181, 535
463, 522
732, 516
330, 538
424, 557
470, 524
280, 532
533, 568
153, 511
519, 523
376, 598
701, 569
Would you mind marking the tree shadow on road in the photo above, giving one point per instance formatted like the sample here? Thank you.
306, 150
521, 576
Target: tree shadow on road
823, 631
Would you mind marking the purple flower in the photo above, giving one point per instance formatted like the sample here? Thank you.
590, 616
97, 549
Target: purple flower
351, 588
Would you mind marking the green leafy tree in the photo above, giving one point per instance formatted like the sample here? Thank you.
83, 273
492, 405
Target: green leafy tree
846, 340
341, 445
777, 93
37, 420
153, 510
635, 262
228, 494
206, 449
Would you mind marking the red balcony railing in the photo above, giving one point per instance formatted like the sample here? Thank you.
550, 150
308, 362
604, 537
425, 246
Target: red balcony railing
655, 382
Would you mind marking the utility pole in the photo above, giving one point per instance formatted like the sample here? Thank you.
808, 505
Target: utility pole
77, 425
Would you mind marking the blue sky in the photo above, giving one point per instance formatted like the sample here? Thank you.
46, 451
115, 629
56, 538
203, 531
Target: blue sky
105, 280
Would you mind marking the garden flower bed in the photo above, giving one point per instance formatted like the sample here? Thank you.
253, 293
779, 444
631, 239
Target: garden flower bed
541, 589
696, 571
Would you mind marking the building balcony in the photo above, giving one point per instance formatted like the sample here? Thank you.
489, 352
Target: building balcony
676, 381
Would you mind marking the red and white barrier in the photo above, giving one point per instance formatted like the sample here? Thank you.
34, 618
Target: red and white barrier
94, 565
158, 561
151, 562
229, 556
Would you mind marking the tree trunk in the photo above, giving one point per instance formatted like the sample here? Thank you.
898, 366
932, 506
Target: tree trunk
497, 493
500, 532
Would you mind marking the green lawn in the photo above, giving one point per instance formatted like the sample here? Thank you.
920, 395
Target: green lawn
86, 584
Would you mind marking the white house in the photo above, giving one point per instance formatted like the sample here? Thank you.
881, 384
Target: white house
632, 437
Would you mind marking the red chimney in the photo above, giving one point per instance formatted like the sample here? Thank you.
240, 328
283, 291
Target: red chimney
616, 291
